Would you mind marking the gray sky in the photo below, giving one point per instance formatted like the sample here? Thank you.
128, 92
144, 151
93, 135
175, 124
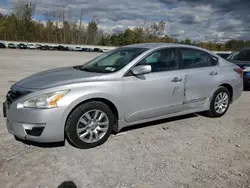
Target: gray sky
196, 19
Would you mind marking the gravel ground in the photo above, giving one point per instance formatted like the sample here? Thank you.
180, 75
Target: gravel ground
189, 151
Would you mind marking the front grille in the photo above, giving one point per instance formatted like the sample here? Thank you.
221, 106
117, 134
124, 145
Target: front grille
13, 95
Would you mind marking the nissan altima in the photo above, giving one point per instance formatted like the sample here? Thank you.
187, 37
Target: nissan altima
123, 87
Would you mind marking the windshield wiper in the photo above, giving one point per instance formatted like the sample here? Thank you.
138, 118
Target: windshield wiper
87, 69
95, 70
83, 69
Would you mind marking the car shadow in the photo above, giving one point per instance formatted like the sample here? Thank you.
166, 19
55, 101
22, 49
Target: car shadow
157, 122
41, 145
126, 129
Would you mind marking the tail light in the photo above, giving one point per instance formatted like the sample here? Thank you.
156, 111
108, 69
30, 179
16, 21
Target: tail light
239, 71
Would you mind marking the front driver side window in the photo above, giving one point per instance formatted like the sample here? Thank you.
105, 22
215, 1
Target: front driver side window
162, 60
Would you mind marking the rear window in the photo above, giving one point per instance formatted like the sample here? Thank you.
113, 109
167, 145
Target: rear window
193, 58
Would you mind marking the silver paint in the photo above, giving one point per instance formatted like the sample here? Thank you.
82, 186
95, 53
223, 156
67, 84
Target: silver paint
138, 99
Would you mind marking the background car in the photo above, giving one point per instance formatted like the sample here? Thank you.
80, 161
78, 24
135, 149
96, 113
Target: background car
38, 46
62, 48
47, 47
223, 54
87, 50
105, 50
98, 50
242, 59
78, 49
22, 46
31, 46
11, 46
2, 45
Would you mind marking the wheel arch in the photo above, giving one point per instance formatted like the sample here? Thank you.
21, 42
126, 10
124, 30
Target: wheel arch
230, 89
109, 103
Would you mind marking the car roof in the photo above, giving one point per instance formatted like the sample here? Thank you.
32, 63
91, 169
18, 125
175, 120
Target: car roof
149, 45
162, 45
243, 49
159, 45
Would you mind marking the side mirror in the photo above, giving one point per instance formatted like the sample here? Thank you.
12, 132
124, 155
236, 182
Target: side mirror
141, 69
215, 61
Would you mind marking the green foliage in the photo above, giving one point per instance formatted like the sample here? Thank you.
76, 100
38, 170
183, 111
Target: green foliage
188, 41
19, 26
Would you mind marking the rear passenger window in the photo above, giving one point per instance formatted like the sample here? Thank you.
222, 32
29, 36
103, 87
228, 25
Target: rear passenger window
192, 58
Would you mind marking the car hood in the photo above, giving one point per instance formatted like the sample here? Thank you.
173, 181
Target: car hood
56, 77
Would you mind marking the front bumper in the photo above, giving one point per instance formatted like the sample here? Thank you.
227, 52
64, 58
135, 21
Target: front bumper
39, 125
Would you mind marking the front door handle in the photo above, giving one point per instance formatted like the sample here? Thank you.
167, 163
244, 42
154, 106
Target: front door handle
176, 79
213, 73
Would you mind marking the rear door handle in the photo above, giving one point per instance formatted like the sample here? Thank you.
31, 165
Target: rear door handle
213, 73
176, 79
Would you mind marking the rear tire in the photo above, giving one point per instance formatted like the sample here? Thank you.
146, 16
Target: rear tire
89, 125
220, 103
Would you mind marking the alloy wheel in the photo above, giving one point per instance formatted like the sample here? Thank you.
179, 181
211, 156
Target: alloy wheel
92, 126
221, 102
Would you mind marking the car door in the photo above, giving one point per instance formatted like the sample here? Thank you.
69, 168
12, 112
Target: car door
157, 93
202, 75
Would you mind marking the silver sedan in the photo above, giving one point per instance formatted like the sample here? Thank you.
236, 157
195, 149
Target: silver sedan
126, 86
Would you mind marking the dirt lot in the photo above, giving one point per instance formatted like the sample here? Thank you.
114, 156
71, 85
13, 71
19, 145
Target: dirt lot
191, 151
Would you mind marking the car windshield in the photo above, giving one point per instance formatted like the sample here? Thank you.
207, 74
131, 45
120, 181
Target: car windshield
233, 55
112, 61
223, 55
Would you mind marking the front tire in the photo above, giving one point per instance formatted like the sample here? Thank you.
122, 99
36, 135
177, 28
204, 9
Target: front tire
220, 103
89, 125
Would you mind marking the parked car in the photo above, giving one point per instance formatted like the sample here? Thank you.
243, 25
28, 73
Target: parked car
46, 47
62, 48
105, 50
53, 48
98, 50
78, 49
87, 50
11, 46
31, 46
126, 86
22, 46
223, 54
2, 45
71, 48
38, 46
242, 59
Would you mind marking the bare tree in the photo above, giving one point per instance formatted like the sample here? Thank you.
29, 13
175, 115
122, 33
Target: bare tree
80, 27
24, 11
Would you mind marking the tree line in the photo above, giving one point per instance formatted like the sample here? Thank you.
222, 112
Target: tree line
59, 28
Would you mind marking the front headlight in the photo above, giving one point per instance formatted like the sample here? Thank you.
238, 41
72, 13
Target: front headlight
47, 100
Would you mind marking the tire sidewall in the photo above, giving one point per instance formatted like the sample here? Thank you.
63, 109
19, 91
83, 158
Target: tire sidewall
76, 114
212, 108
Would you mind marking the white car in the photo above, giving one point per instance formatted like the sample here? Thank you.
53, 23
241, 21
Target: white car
31, 46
